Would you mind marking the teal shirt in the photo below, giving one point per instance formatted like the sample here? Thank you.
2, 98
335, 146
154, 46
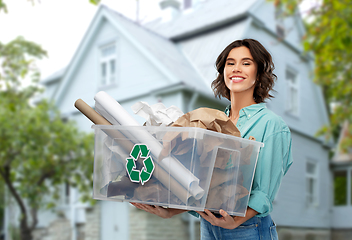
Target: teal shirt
274, 159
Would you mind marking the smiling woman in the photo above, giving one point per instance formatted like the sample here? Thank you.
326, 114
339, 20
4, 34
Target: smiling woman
245, 77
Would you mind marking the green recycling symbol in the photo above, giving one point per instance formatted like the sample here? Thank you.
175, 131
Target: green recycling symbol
145, 173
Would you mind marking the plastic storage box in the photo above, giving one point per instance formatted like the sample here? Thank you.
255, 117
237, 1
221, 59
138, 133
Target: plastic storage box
177, 167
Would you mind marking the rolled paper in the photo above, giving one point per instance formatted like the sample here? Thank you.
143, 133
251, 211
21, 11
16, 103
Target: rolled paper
90, 113
170, 164
160, 173
97, 119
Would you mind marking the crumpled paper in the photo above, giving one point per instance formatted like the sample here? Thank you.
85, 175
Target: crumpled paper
155, 192
123, 187
206, 118
210, 119
221, 197
157, 114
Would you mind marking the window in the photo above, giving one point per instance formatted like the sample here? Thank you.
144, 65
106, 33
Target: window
311, 184
340, 188
280, 31
67, 193
292, 92
108, 65
279, 17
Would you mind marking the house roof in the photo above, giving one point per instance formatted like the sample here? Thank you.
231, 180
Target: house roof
161, 51
167, 53
204, 17
341, 156
54, 77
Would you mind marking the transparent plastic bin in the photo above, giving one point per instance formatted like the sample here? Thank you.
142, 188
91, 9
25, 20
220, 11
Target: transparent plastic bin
176, 167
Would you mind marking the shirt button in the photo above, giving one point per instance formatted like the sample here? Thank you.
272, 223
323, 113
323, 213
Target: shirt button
249, 115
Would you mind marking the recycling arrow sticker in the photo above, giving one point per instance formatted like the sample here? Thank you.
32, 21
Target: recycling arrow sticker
143, 175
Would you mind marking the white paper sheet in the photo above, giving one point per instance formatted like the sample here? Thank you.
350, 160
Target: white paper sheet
157, 114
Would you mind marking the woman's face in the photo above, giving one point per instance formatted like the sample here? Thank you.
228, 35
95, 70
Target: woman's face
240, 71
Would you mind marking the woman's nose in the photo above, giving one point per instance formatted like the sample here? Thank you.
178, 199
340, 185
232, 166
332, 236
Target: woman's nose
236, 68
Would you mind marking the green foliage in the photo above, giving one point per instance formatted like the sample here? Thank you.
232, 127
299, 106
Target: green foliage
17, 62
14, 232
329, 37
39, 151
95, 2
3, 6
290, 6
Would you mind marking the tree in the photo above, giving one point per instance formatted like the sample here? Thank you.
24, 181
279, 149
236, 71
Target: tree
39, 151
329, 37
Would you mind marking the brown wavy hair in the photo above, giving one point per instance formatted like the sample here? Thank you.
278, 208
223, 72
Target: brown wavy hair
265, 67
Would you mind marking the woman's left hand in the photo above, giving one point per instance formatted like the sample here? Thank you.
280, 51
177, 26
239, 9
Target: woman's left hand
226, 221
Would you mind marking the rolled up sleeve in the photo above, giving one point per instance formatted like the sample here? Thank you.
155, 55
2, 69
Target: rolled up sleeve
273, 162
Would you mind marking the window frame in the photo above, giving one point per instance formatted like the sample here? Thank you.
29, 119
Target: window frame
111, 78
348, 189
280, 22
292, 86
314, 202
349, 186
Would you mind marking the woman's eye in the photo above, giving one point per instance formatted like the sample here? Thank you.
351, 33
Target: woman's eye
246, 63
230, 63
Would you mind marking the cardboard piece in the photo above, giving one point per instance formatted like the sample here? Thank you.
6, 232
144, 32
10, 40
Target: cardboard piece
206, 118
210, 119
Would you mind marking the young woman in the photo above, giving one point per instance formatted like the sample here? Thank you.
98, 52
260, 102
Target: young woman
245, 77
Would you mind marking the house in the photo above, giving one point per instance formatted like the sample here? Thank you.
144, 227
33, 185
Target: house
171, 60
341, 166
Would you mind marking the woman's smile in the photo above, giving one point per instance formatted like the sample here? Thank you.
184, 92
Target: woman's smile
237, 79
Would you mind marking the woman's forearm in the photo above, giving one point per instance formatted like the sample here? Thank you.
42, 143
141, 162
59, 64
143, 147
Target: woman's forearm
249, 214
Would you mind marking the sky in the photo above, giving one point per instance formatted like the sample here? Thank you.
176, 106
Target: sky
59, 25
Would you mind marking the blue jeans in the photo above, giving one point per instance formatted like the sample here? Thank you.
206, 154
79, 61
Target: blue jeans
255, 228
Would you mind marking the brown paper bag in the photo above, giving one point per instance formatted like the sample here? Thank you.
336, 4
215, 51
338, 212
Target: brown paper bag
206, 118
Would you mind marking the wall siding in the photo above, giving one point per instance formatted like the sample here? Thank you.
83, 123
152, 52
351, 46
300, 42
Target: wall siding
133, 71
266, 13
290, 207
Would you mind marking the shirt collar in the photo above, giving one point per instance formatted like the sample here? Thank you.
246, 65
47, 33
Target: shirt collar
248, 111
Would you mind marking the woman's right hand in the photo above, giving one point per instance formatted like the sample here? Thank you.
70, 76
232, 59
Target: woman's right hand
159, 211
